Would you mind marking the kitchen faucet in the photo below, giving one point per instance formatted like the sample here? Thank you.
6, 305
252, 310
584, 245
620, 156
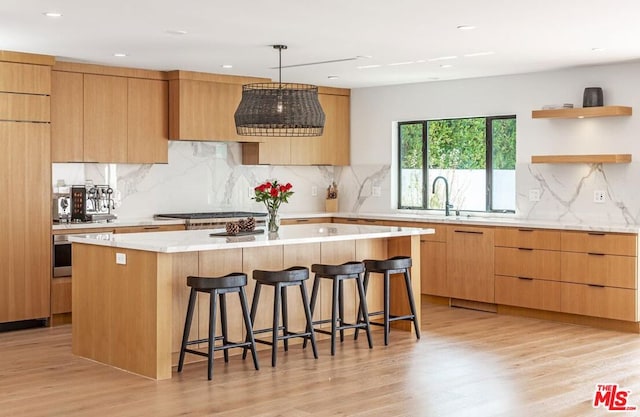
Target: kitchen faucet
447, 205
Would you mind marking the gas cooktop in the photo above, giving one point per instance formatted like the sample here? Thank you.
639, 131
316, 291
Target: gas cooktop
209, 215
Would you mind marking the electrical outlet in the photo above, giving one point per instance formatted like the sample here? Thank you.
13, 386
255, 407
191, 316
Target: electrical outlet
534, 194
599, 196
121, 258
314, 190
376, 191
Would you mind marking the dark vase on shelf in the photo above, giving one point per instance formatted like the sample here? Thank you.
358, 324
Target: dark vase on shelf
592, 97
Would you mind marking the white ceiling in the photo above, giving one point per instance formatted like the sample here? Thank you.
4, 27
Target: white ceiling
524, 36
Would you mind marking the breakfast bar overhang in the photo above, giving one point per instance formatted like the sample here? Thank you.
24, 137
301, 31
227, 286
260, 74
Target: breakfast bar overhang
130, 295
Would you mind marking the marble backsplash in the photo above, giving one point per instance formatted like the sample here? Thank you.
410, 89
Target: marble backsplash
208, 176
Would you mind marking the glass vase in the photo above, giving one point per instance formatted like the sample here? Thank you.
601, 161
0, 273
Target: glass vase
273, 221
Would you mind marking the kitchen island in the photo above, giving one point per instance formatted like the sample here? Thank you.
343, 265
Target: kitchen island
130, 294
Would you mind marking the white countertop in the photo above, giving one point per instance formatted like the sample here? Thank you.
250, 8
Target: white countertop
199, 240
116, 223
479, 220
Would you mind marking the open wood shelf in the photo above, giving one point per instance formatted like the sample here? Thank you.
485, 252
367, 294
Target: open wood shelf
578, 113
623, 158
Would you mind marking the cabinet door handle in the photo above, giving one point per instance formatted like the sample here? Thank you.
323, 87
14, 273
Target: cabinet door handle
352, 220
595, 254
150, 227
370, 220
525, 248
468, 232
301, 220
596, 285
525, 230
525, 278
596, 234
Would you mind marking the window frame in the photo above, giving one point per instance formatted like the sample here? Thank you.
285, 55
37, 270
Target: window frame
425, 158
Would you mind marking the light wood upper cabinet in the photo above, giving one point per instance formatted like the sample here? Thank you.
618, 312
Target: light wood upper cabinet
203, 110
470, 266
105, 118
147, 121
333, 147
25, 78
67, 114
109, 114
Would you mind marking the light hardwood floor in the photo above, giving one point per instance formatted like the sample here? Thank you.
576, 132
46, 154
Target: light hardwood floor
468, 363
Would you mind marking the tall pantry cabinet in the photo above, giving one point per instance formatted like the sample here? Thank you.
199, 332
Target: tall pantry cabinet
25, 190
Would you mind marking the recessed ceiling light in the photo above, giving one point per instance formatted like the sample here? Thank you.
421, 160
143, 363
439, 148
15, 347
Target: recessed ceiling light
401, 63
597, 49
226, 66
52, 14
177, 32
119, 55
442, 58
446, 66
479, 54
333, 77
368, 66
465, 27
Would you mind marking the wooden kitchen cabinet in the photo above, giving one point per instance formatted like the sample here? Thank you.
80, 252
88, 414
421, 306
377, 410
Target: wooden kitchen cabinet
105, 118
147, 121
26, 249
433, 261
67, 114
108, 114
151, 228
599, 275
470, 263
25, 78
332, 148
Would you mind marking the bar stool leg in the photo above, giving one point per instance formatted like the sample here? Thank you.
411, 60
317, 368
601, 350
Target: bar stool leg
223, 323
341, 307
365, 311
359, 318
334, 315
285, 316
254, 308
249, 328
307, 313
274, 333
312, 304
212, 331
187, 327
386, 308
412, 305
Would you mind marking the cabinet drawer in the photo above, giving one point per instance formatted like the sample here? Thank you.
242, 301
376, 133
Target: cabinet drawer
527, 238
605, 302
305, 220
439, 236
528, 263
529, 293
24, 107
25, 78
597, 242
61, 295
142, 229
609, 270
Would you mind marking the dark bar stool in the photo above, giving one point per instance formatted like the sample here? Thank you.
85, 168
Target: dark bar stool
395, 265
217, 286
338, 274
280, 280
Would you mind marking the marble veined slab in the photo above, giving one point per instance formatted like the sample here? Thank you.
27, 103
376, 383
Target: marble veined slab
200, 240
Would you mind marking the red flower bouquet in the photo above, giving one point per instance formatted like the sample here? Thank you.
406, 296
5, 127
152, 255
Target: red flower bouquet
272, 194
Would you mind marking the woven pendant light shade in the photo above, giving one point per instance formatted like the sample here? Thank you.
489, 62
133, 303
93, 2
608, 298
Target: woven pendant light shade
279, 109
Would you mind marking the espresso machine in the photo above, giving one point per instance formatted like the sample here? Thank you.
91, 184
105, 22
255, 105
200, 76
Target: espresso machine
61, 207
92, 203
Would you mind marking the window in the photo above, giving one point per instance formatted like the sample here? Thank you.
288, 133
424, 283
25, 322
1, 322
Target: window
476, 156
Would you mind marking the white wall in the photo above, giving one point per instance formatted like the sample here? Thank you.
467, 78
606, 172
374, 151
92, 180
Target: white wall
567, 191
